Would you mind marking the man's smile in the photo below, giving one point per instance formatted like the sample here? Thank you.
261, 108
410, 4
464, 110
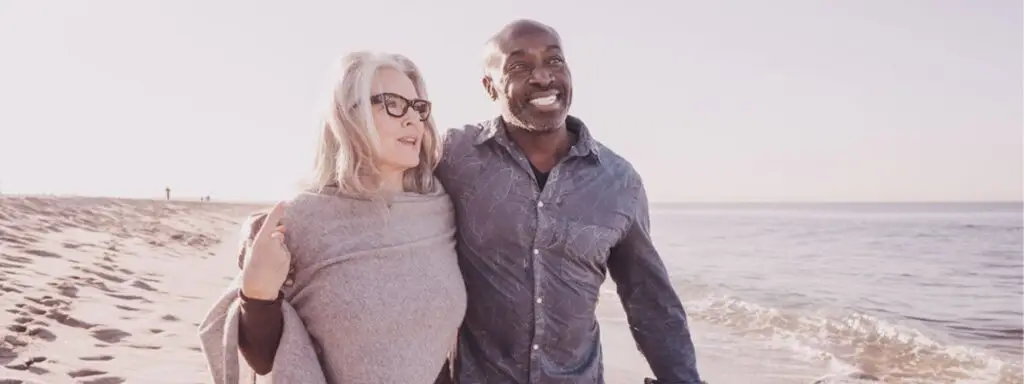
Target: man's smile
546, 101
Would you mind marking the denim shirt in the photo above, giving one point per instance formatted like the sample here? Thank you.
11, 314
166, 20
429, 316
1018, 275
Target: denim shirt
534, 260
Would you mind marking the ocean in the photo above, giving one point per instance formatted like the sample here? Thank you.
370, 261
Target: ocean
910, 293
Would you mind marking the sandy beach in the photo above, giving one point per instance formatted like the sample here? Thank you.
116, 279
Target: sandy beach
107, 291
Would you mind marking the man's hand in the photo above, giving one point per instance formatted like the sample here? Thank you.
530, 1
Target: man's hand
267, 260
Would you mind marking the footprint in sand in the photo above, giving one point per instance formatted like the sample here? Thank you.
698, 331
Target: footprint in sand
42, 253
108, 267
102, 275
94, 282
151, 280
103, 380
15, 341
17, 381
48, 301
31, 309
65, 288
97, 358
145, 346
30, 365
15, 240
85, 372
20, 285
143, 285
7, 355
65, 319
42, 333
130, 297
72, 245
38, 332
109, 335
18, 259
6, 265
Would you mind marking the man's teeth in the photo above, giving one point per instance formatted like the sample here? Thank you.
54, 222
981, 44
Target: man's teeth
544, 101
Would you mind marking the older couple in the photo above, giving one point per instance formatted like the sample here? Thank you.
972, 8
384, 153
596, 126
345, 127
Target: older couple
476, 258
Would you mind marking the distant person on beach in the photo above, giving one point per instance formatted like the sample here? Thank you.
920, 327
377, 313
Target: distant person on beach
167, 191
355, 280
544, 211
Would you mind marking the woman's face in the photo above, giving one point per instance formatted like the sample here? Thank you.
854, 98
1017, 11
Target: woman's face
399, 116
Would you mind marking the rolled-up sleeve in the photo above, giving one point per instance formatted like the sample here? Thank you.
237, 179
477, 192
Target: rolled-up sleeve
655, 314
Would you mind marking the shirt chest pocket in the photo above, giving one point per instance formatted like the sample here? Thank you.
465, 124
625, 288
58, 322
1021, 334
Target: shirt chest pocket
588, 243
588, 234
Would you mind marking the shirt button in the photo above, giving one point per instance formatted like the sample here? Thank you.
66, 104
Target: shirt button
536, 347
536, 252
540, 204
539, 300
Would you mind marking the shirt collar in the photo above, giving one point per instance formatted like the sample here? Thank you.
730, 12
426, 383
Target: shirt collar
585, 145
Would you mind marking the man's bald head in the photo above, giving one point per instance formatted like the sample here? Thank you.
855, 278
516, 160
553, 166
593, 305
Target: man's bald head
512, 31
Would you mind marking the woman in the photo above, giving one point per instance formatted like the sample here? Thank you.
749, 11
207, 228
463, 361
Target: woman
355, 280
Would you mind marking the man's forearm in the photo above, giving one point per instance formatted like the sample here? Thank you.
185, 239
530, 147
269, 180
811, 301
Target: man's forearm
660, 328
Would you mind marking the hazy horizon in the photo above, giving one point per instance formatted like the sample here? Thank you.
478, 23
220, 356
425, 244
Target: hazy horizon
660, 203
713, 102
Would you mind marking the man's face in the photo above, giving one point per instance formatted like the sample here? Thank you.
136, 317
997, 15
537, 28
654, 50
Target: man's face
531, 81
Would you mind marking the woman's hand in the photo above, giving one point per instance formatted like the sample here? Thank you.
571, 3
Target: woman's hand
267, 260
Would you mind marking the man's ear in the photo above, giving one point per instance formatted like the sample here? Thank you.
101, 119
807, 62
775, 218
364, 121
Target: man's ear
489, 87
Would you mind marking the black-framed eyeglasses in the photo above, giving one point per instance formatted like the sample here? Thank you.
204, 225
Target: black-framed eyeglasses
397, 106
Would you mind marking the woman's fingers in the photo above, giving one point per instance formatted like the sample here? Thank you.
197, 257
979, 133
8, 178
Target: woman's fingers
272, 221
278, 235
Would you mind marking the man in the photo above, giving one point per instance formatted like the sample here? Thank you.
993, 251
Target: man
543, 211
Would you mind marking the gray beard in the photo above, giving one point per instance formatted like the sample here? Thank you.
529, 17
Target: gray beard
527, 126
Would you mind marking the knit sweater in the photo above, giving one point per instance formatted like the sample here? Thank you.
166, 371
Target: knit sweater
376, 297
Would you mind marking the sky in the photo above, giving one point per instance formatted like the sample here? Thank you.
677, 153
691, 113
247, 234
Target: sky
787, 100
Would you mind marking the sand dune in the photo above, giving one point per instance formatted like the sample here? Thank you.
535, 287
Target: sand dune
107, 291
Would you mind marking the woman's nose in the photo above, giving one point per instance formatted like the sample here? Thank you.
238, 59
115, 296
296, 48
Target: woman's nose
412, 123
